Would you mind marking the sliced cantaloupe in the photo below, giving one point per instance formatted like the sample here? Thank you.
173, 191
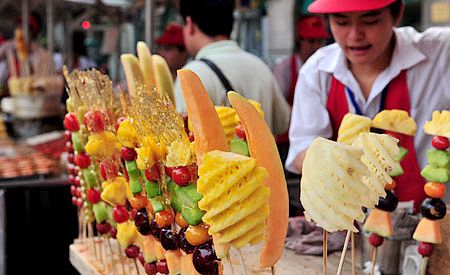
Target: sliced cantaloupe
187, 267
173, 258
264, 149
148, 248
159, 250
428, 231
208, 131
379, 222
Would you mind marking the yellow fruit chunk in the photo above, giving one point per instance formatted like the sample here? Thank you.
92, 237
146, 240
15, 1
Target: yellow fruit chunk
115, 191
351, 126
234, 196
103, 145
163, 77
178, 154
395, 121
127, 134
126, 234
228, 120
146, 64
439, 124
133, 73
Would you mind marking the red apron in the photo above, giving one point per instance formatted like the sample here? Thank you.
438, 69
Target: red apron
410, 184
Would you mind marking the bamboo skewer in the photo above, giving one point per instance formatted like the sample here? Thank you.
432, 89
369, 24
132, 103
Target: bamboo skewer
111, 251
353, 254
11, 63
241, 257
374, 260
230, 263
121, 258
423, 268
341, 261
272, 269
136, 265
325, 251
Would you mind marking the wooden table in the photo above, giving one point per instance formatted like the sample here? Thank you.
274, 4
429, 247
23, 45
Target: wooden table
290, 263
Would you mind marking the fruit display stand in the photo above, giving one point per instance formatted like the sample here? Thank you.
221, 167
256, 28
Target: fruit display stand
87, 264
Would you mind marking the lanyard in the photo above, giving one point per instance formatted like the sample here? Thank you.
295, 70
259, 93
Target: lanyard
358, 111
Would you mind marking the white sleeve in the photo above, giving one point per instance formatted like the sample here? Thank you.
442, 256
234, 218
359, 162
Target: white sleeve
310, 117
179, 99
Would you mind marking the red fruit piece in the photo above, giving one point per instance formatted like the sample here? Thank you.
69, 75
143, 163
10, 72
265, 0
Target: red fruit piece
161, 267
153, 173
138, 202
77, 181
71, 158
120, 214
113, 232
375, 240
240, 131
71, 122
67, 135
82, 160
95, 121
164, 218
73, 190
150, 268
103, 228
425, 249
80, 202
108, 170
141, 258
440, 143
128, 154
168, 171
132, 251
68, 147
93, 195
181, 175
74, 200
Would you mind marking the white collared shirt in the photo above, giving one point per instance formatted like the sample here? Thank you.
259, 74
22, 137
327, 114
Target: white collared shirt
247, 74
426, 56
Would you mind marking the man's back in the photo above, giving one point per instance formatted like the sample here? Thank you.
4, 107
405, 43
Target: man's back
247, 74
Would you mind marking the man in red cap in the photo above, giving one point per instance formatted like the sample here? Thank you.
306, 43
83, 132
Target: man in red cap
373, 65
172, 48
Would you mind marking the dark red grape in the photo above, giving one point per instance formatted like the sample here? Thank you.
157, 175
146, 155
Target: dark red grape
169, 239
93, 195
150, 268
184, 244
103, 228
113, 232
141, 221
128, 154
132, 251
141, 258
205, 259
154, 229
161, 267
120, 214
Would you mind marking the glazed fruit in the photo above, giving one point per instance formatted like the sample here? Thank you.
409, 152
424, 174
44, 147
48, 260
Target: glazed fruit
425, 249
164, 218
138, 202
375, 240
93, 195
128, 154
132, 251
153, 173
141, 258
169, 239
71, 122
150, 268
141, 221
240, 131
180, 220
197, 235
113, 232
120, 214
155, 230
183, 243
103, 228
181, 175
440, 143
389, 203
161, 267
433, 209
82, 160
95, 121
205, 260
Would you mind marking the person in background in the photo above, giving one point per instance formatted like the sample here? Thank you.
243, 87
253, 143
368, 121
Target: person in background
171, 47
311, 35
223, 66
373, 66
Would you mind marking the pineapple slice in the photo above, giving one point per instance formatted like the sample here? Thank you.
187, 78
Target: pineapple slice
234, 197
395, 121
228, 120
334, 193
439, 125
352, 125
178, 154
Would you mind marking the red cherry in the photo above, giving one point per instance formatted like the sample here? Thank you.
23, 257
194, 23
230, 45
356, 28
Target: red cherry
80, 202
153, 174
74, 200
108, 170
394, 134
95, 121
161, 267
113, 232
103, 228
120, 214
141, 258
71, 178
93, 195
181, 175
133, 213
191, 136
240, 131
375, 240
71, 122
82, 160
132, 251
78, 193
425, 249
67, 135
440, 143
73, 190
68, 147
168, 171
128, 154
76, 181
193, 169
71, 158
119, 121
150, 268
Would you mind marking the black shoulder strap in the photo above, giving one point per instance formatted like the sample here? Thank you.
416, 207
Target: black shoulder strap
219, 74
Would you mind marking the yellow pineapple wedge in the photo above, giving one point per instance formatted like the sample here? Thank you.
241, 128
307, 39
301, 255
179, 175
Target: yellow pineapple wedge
351, 126
439, 125
228, 120
179, 154
234, 197
395, 121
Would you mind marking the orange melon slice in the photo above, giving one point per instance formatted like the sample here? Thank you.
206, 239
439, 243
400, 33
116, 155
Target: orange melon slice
148, 248
173, 258
159, 251
264, 149
187, 267
428, 231
379, 222
206, 126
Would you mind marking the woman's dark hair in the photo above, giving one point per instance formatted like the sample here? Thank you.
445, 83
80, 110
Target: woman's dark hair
213, 17
395, 8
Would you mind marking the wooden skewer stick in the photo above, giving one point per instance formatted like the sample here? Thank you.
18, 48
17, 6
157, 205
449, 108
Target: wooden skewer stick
272, 269
111, 254
241, 257
341, 261
325, 252
137, 267
121, 258
230, 263
423, 268
353, 253
374, 259
11, 63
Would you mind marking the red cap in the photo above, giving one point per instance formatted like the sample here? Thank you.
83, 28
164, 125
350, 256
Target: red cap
312, 27
335, 6
173, 35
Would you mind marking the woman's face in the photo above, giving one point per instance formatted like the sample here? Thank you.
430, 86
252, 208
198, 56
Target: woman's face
364, 37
